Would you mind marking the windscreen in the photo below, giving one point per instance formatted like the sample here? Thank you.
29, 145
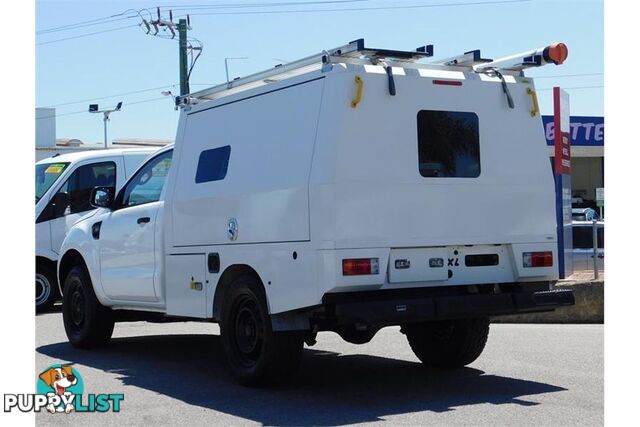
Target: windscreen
46, 175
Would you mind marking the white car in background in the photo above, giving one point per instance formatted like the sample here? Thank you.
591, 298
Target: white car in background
583, 245
63, 186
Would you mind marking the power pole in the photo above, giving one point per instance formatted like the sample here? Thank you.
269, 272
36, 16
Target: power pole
167, 29
184, 71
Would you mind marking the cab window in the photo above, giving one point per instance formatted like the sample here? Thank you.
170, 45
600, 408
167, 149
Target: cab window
83, 180
146, 185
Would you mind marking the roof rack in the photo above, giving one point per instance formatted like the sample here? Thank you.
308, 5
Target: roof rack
467, 59
353, 50
356, 52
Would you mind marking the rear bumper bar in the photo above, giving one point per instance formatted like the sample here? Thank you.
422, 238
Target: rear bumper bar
397, 311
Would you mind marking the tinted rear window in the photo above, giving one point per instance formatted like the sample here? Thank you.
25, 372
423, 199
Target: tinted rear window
448, 144
213, 164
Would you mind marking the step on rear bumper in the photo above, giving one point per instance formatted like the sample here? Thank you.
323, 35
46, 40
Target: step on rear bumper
398, 311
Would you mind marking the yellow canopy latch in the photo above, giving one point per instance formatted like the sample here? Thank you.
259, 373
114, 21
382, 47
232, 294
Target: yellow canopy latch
358, 98
534, 98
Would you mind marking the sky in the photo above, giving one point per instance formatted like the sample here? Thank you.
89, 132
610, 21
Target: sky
121, 63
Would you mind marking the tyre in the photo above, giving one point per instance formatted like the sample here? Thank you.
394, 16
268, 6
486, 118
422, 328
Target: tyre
46, 288
255, 353
87, 323
449, 343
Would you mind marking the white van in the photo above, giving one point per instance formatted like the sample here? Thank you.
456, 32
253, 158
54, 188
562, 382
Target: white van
345, 192
63, 185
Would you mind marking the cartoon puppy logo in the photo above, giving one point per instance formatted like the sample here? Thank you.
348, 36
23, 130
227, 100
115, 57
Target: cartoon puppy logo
59, 379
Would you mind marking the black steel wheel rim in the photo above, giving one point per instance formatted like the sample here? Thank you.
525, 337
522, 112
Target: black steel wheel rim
77, 307
248, 333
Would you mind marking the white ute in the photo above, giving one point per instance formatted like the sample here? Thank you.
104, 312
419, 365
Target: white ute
63, 186
347, 191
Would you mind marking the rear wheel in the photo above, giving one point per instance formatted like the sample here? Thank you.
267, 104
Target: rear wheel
87, 323
448, 343
256, 354
46, 288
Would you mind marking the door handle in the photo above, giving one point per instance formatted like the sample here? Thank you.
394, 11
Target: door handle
144, 220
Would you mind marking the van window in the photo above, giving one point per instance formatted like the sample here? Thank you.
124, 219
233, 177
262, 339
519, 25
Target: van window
213, 164
83, 180
146, 185
448, 144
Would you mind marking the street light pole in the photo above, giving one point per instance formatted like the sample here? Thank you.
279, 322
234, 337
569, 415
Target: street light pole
105, 119
93, 108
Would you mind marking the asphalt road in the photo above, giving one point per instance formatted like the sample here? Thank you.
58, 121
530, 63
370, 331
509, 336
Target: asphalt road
175, 374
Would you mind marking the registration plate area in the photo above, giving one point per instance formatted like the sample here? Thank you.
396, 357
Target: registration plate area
451, 264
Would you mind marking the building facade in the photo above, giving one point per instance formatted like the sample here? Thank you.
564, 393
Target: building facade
587, 156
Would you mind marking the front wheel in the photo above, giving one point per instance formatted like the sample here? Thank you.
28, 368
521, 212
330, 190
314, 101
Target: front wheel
256, 354
448, 343
87, 323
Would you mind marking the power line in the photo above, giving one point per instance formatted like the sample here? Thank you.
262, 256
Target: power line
104, 20
257, 5
359, 9
80, 101
83, 25
86, 35
85, 111
119, 17
70, 26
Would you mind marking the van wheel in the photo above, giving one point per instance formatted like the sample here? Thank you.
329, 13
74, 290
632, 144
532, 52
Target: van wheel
256, 354
46, 288
87, 323
448, 343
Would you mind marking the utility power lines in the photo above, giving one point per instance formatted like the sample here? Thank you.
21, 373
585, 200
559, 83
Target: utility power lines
82, 101
134, 13
86, 35
364, 8
71, 113
240, 9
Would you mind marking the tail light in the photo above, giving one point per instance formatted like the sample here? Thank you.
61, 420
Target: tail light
360, 266
537, 259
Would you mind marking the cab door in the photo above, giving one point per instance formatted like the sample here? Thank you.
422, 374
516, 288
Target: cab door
130, 246
76, 191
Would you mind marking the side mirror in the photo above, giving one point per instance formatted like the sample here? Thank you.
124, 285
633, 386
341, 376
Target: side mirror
102, 197
60, 203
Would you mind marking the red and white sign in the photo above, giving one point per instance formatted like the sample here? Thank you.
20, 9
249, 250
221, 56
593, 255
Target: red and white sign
561, 121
